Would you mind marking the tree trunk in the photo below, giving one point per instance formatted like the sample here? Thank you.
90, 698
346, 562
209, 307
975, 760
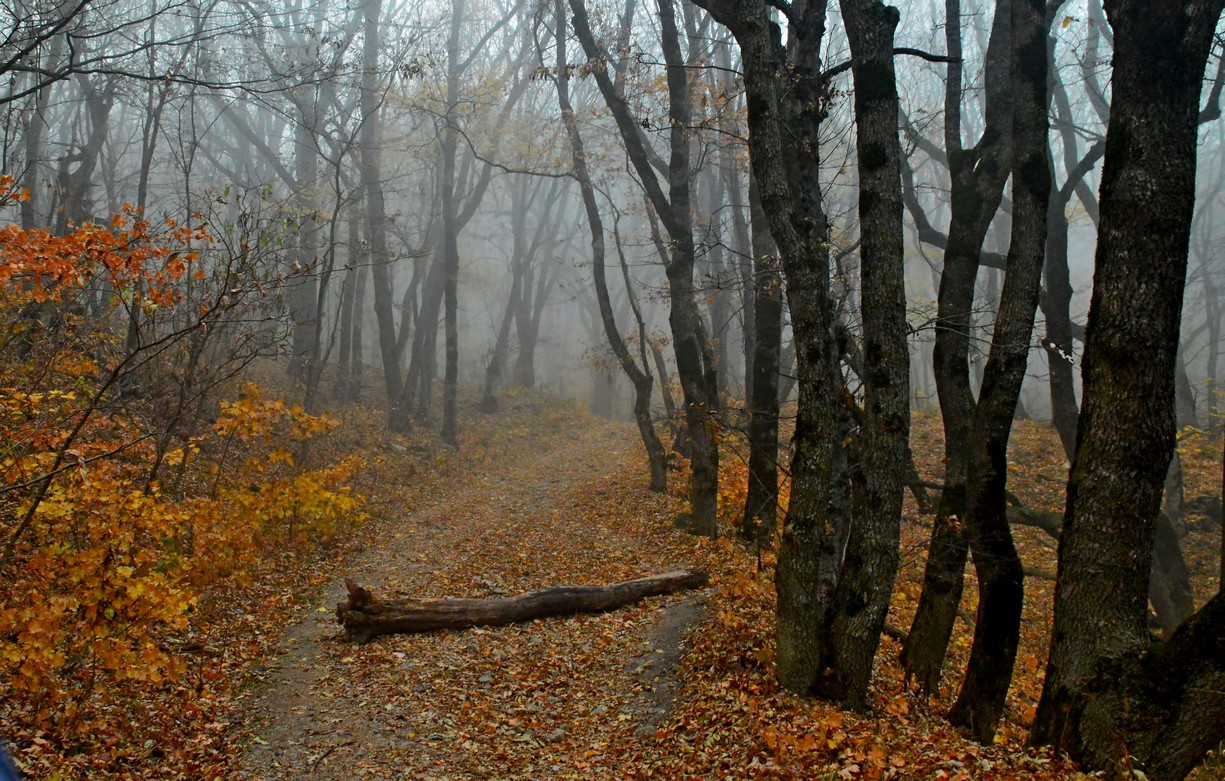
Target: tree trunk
303, 291
539, 279
760, 522
783, 88
417, 392
364, 617
1112, 700
356, 377
501, 345
376, 210
1212, 305
76, 203
1057, 299
998, 626
450, 236
639, 376
1185, 413
865, 584
1169, 584
689, 341
978, 176
348, 290
31, 209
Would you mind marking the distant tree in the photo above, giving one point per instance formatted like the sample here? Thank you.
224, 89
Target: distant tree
671, 199
639, 375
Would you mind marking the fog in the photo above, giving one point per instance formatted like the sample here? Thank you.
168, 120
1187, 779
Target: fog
335, 156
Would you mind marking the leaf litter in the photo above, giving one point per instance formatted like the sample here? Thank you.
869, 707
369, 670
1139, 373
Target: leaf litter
678, 687
581, 698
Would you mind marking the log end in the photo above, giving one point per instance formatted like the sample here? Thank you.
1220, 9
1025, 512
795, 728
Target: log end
359, 600
693, 578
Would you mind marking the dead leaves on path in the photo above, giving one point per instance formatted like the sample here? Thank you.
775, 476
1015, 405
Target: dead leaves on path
566, 698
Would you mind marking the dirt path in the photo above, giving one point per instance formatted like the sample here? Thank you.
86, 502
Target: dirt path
552, 699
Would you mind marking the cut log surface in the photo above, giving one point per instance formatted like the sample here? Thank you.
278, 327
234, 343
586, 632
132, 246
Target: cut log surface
364, 617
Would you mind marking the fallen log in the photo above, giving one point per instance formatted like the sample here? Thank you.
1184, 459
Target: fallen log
365, 617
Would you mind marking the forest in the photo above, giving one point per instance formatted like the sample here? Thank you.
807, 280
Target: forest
594, 389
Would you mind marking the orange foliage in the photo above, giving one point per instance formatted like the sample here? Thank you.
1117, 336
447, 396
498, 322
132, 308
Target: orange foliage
100, 571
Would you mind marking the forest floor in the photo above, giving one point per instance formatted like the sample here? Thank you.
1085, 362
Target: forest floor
676, 687
549, 699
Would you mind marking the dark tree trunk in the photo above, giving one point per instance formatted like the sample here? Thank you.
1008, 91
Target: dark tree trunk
998, 625
784, 89
76, 169
1169, 585
789, 184
943, 582
376, 212
865, 583
364, 617
1056, 305
1112, 699
760, 522
690, 343
978, 176
448, 148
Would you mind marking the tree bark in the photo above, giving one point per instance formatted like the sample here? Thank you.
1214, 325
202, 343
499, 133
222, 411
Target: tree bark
978, 176
784, 95
689, 341
1112, 699
450, 237
640, 376
760, 522
1000, 580
364, 617
865, 583
376, 211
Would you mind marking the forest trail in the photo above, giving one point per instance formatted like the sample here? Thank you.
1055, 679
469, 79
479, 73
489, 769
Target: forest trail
562, 698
